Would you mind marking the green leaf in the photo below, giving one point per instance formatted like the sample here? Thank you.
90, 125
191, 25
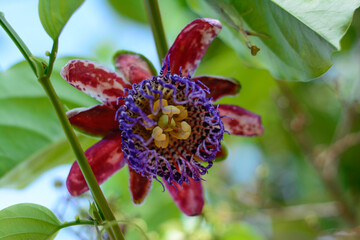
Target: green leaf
133, 9
296, 38
31, 135
94, 213
51, 156
28, 221
54, 14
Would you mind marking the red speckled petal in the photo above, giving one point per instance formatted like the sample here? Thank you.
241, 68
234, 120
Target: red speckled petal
188, 197
98, 120
239, 121
191, 45
95, 80
105, 158
134, 67
219, 86
139, 186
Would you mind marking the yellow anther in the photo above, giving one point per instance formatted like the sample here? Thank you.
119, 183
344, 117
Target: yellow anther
184, 131
182, 115
170, 110
157, 131
156, 105
161, 137
162, 142
185, 126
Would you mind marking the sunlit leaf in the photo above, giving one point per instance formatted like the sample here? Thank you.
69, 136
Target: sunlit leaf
29, 125
296, 38
28, 221
54, 14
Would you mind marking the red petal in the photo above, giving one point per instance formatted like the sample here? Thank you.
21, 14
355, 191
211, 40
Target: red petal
98, 120
135, 67
188, 197
219, 86
239, 121
105, 158
94, 79
191, 45
139, 186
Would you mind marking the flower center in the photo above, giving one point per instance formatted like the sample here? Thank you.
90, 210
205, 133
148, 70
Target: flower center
170, 123
169, 128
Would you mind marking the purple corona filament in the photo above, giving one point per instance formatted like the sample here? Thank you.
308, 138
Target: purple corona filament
181, 158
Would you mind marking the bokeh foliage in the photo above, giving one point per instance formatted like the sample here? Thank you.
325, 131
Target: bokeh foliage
270, 187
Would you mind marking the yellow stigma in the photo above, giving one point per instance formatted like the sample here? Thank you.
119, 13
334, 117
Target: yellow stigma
170, 120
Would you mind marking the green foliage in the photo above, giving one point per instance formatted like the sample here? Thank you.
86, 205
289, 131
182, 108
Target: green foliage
284, 197
295, 43
54, 14
94, 212
132, 9
241, 231
43, 160
31, 136
28, 221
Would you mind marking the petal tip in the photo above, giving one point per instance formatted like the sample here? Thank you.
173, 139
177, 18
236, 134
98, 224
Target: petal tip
214, 22
72, 189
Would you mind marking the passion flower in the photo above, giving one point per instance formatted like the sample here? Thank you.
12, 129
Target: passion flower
160, 125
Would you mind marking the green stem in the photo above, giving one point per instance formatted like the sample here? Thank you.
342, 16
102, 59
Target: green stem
18, 42
81, 158
75, 223
53, 54
154, 18
114, 231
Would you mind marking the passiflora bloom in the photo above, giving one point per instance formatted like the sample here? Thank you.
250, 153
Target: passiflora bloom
164, 127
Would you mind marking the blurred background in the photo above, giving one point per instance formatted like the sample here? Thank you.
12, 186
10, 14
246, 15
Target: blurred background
300, 180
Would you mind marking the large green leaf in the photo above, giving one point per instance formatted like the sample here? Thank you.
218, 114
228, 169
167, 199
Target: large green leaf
28, 221
297, 38
30, 130
54, 14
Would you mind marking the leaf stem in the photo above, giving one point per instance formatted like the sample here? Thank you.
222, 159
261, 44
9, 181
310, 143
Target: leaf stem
53, 54
75, 223
154, 18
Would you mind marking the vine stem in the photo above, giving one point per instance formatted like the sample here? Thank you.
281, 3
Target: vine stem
100, 200
154, 18
89, 176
